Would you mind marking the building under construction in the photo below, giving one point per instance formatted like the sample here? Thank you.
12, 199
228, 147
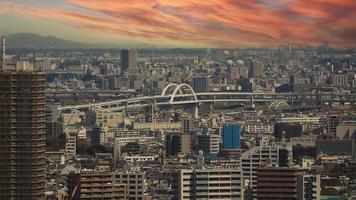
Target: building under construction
22, 135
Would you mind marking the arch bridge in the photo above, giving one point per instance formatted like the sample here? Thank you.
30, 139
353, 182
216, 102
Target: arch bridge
182, 94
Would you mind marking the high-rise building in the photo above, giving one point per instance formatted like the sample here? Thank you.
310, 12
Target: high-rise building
209, 144
116, 152
252, 159
101, 185
178, 143
334, 119
71, 144
3, 54
234, 73
231, 136
287, 183
188, 125
257, 69
279, 183
201, 84
100, 135
340, 79
311, 186
22, 135
135, 183
214, 183
129, 60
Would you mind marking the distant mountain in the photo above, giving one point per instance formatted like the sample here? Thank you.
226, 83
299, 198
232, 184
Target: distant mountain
34, 41
29, 40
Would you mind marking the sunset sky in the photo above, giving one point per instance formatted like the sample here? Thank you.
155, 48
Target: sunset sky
186, 23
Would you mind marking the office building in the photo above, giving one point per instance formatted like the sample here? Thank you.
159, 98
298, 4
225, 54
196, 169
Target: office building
340, 79
71, 144
98, 115
22, 134
279, 183
116, 152
334, 119
252, 159
336, 147
178, 144
257, 69
209, 183
135, 182
287, 183
129, 61
188, 125
100, 135
234, 73
311, 186
201, 84
53, 129
231, 136
209, 144
101, 185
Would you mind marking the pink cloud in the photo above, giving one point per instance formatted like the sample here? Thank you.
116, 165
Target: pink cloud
219, 23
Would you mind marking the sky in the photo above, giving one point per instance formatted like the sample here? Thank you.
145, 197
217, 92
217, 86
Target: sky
186, 23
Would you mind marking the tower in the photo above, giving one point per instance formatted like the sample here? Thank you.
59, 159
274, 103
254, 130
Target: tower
3, 54
22, 135
128, 61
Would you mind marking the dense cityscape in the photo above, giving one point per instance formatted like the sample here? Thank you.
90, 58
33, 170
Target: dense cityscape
272, 123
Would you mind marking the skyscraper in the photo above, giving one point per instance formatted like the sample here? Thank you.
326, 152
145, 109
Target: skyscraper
129, 60
334, 119
22, 135
178, 143
209, 144
231, 137
201, 84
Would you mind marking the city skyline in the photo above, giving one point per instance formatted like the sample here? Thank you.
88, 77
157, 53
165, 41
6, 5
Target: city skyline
187, 23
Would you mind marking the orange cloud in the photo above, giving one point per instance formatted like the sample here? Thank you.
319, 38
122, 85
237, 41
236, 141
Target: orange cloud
218, 23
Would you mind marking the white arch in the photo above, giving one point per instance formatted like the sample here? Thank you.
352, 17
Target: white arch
279, 103
168, 87
276, 104
272, 104
178, 89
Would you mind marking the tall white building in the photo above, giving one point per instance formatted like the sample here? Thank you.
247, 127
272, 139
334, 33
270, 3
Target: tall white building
252, 159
